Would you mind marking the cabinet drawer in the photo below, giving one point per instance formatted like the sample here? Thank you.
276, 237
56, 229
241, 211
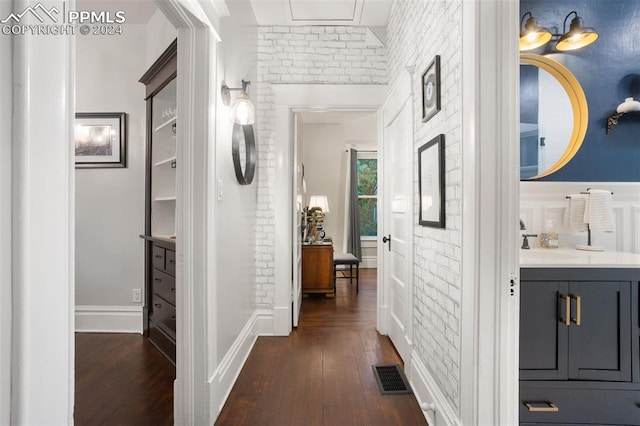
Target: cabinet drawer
164, 315
158, 257
170, 262
164, 286
587, 406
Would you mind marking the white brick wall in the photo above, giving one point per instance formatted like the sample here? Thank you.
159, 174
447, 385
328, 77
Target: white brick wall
417, 31
300, 55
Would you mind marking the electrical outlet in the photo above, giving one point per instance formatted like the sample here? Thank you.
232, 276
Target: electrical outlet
137, 295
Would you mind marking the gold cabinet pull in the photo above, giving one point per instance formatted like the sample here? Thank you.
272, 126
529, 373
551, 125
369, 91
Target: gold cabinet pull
536, 407
578, 317
567, 310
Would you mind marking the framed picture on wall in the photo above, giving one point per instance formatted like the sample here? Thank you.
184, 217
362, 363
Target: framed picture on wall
100, 139
431, 90
431, 183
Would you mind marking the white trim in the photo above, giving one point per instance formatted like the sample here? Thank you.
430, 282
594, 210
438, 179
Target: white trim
6, 100
109, 319
489, 324
435, 405
196, 81
264, 320
228, 370
43, 240
305, 97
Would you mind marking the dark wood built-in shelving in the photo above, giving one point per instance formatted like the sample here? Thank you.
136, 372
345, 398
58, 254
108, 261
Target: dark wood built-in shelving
160, 203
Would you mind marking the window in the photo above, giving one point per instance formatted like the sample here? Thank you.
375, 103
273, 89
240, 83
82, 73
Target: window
368, 193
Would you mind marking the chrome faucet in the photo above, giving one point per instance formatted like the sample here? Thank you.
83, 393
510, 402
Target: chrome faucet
525, 241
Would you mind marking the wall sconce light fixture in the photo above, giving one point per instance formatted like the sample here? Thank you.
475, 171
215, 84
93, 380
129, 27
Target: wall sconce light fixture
242, 110
533, 36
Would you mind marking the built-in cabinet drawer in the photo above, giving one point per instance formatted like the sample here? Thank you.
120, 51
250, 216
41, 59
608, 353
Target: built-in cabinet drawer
170, 262
158, 257
162, 299
164, 313
580, 406
164, 286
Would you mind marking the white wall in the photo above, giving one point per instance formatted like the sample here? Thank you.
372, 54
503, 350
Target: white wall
110, 203
160, 34
418, 31
542, 201
232, 305
326, 160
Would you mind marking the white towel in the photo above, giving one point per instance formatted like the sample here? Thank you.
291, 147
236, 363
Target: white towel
598, 212
574, 213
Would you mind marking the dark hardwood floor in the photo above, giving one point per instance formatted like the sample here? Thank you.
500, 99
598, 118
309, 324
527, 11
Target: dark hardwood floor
121, 379
322, 373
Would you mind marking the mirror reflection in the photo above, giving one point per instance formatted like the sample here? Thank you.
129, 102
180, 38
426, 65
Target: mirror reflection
546, 121
553, 116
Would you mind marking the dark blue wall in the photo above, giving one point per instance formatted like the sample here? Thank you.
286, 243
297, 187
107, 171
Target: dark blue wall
609, 71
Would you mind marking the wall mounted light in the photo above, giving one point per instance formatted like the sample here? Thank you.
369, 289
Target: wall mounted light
533, 36
242, 110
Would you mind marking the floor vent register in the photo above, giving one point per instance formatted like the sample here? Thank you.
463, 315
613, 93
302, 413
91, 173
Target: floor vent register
391, 379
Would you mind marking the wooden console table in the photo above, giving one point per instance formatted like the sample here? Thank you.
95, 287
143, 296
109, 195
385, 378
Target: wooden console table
317, 268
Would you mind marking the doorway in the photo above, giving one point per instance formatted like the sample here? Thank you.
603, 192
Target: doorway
323, 143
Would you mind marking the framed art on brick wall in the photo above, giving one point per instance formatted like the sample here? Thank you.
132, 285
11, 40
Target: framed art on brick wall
431, 183
431, 90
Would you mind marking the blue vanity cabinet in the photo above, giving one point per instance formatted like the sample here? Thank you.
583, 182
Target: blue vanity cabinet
544, 337
579, 346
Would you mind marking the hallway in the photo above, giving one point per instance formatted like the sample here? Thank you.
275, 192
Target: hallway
321, 374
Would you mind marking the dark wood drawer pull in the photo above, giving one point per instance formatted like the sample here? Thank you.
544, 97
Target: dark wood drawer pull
173, 290
173, 262
157, 305
173, 317
541, 407
158, 256
157, 280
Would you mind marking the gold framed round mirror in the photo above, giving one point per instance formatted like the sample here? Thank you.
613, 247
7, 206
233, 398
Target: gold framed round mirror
558, 116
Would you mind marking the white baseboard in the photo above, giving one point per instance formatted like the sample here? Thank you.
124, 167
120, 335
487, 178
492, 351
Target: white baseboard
109, 319
228, 370
434, 404
264, 320
369, 262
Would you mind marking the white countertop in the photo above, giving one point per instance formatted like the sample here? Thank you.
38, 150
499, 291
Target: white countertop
565, 257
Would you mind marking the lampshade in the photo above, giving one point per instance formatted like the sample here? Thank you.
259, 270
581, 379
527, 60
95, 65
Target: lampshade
242, 110
578, 36
533, 36
320, 201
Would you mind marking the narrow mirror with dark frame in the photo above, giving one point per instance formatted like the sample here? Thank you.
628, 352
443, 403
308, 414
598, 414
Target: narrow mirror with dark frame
244, 153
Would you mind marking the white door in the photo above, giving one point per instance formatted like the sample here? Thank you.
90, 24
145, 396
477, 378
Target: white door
298, 205
397, 221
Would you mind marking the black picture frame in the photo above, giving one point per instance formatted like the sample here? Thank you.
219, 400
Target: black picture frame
431, 183
431, 90
100, 140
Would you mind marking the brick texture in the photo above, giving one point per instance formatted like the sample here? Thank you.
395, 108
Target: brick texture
300, 55
417, 31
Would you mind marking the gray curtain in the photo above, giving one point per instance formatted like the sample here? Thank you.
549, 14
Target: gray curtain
353, 226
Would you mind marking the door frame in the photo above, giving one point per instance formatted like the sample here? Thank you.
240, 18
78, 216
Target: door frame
290, 98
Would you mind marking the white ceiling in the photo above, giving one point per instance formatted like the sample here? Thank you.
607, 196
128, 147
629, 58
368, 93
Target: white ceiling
366, 13
337, 117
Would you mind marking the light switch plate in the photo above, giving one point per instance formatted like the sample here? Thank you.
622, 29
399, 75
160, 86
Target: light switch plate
137, 295
220, 190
